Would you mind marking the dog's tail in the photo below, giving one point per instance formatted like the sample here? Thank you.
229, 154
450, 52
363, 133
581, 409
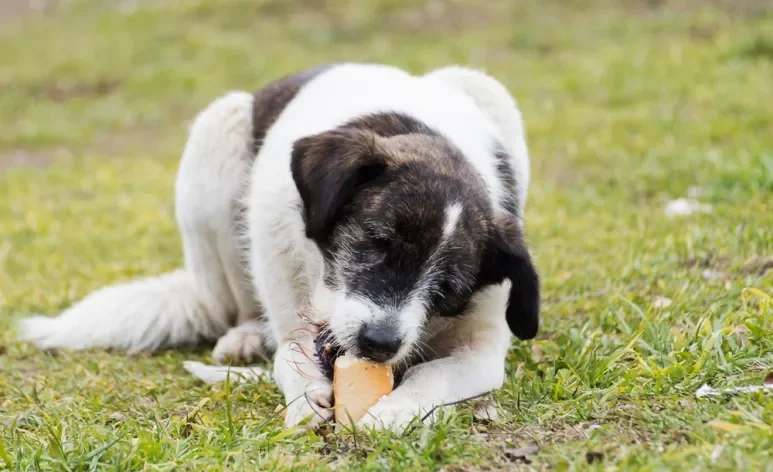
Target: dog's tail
185, 306
144, 314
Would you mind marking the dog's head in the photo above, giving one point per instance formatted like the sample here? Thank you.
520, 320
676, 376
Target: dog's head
407, 233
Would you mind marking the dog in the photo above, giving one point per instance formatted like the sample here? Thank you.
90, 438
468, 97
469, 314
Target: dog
387, 204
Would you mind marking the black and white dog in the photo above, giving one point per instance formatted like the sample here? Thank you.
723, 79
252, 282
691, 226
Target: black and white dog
389, 205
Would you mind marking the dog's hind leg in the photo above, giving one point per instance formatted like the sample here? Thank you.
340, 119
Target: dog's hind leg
212, 292
214, 176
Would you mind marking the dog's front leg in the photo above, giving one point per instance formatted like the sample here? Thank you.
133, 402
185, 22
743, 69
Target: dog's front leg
472, 362
428, 386
308, 393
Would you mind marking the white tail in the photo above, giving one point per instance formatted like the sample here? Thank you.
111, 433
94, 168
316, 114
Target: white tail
143, 314
186, 306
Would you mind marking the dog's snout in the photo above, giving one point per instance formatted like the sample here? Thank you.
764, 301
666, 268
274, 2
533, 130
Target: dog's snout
379, 342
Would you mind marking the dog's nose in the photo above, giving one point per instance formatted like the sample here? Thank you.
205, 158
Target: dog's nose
378, 342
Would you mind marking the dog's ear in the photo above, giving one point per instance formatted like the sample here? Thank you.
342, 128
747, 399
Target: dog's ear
507, 257
328, 169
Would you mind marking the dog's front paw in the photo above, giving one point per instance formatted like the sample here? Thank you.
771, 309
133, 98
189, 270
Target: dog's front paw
312, 407
239, 346
394, 413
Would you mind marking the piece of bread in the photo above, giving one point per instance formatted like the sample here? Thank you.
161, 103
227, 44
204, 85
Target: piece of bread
358, 384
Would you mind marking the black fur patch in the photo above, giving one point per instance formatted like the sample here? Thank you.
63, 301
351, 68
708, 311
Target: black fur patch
382, 242
507, 257
328, 169
375, 194
274, 97
268, 103
388, 125
506, 175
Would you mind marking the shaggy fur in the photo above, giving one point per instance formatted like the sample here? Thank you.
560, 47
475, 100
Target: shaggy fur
386, 207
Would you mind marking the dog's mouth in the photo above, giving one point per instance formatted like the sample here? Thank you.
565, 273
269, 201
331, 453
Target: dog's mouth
327, 350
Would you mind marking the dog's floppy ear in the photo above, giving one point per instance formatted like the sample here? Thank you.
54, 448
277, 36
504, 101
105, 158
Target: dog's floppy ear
328, 168
508, 258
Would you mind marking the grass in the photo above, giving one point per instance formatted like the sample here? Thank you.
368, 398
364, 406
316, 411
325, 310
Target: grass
628, 104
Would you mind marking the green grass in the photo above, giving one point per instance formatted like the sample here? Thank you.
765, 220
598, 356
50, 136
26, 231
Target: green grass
627, 104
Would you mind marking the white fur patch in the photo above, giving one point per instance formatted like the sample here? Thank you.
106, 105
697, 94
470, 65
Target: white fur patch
347, 314
493, 99
411, 322
453, 212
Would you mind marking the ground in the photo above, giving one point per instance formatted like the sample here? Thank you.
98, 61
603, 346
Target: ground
628, 105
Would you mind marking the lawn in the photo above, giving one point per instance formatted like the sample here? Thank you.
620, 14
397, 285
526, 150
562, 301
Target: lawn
628, 104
